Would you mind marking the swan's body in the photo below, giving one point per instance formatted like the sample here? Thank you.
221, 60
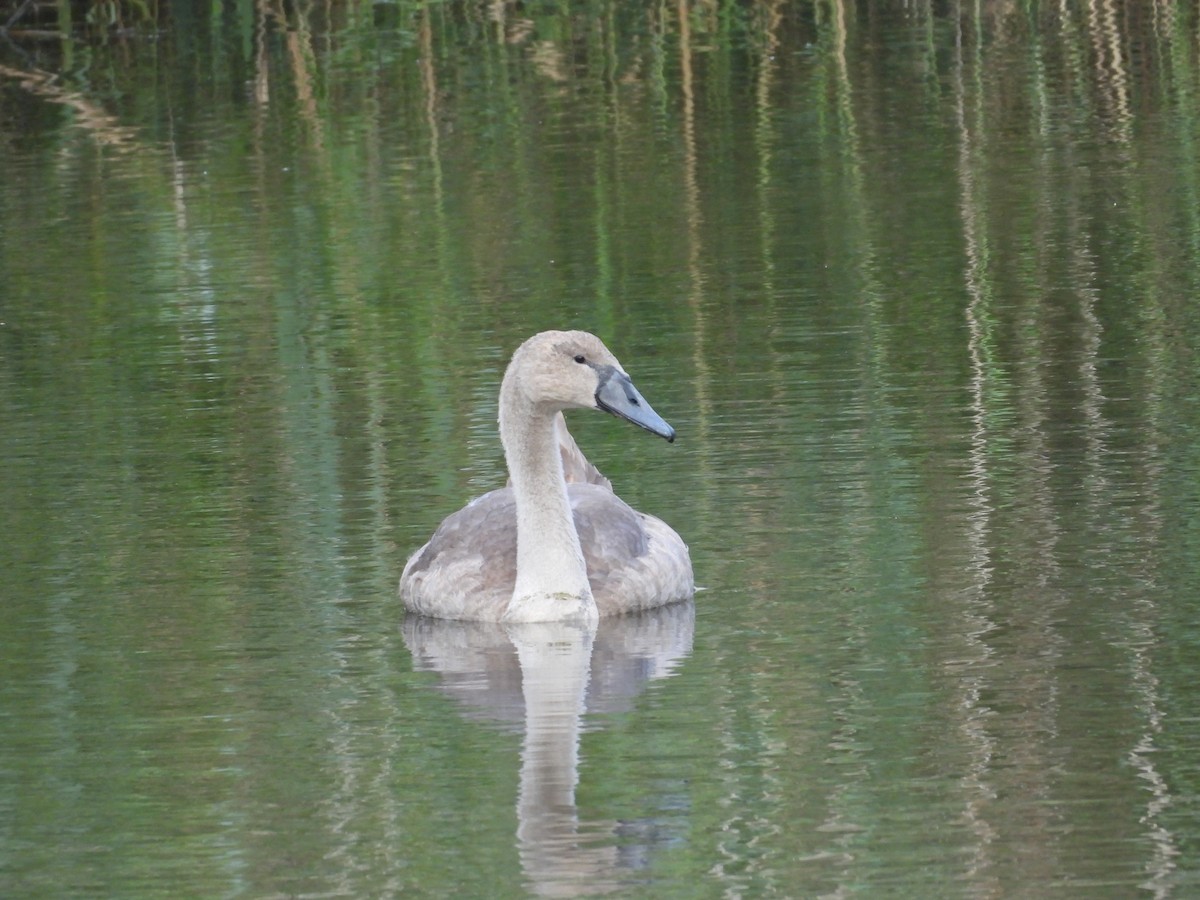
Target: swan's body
556, 544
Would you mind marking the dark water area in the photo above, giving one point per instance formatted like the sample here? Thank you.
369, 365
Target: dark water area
916, 283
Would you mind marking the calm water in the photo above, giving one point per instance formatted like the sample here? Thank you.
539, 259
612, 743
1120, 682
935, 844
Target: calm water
918, 288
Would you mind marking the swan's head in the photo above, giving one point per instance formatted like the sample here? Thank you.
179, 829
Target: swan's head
574, 370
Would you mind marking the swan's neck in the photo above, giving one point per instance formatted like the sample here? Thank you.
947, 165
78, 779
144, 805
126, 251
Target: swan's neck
552, 582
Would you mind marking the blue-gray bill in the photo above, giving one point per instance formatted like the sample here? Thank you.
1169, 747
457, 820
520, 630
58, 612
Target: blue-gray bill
618, 396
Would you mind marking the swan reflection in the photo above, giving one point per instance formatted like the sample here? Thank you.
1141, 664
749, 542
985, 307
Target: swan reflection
543, 678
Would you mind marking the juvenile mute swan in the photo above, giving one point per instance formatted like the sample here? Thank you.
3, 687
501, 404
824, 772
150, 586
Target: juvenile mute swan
556, 545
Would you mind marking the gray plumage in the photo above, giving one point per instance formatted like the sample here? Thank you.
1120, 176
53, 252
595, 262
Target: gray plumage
557, 543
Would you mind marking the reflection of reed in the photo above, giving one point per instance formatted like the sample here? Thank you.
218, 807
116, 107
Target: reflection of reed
1162, 864
1015, 425
769, 18
262, 59
694, 217
1142, 638
853, 702
976, 615
298, 40
691, 185
1005, 804
1098, 490
429, 87
764, 137
300, 53
103, 127
1111, 76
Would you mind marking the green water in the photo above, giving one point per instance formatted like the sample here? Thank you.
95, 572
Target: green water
917, 286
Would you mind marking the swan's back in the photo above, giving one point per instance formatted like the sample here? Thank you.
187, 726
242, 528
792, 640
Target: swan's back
582, 551
468, 569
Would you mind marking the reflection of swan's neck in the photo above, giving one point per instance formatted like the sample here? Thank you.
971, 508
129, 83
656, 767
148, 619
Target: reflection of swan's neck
555, 663
562, 853
552, 583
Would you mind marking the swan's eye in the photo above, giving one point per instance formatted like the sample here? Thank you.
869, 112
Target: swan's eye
581, 358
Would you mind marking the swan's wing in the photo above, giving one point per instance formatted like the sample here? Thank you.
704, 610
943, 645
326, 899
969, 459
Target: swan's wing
634, 561
576, 468
469, 567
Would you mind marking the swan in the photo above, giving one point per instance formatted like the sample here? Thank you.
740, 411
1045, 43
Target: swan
556, 544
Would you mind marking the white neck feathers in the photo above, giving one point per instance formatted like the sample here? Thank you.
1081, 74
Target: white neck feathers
552, 583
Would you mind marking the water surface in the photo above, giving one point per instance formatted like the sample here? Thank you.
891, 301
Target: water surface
917, 290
